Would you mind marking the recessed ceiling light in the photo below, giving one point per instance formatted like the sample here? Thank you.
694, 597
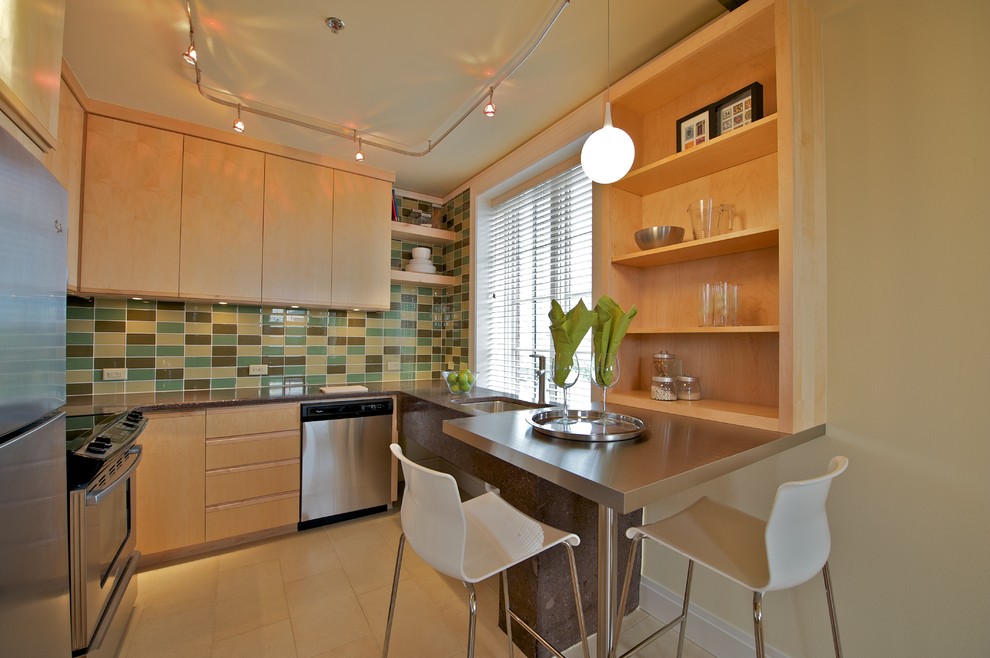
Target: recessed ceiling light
335, 24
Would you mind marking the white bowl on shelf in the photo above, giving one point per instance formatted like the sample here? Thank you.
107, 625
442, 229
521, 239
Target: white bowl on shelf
421, 253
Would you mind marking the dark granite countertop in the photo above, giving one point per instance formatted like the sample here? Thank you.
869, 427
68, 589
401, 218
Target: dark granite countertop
434, 391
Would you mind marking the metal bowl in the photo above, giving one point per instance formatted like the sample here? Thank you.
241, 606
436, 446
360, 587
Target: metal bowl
659, 236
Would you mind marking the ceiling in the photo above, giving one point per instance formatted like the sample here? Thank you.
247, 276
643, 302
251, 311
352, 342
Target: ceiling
399, 73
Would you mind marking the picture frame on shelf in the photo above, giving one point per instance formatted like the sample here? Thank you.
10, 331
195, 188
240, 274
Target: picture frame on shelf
738, 109
695, 129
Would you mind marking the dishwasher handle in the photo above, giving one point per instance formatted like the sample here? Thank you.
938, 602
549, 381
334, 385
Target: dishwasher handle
345, 409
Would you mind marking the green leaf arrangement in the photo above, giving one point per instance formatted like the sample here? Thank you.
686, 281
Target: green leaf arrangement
567, 331
608, 329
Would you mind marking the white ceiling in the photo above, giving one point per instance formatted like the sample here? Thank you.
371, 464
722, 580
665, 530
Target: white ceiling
400, 72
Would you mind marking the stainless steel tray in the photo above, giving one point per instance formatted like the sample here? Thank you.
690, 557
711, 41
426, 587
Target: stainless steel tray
586, 425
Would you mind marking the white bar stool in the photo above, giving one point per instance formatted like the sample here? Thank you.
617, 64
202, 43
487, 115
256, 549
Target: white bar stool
763, 556
472, 541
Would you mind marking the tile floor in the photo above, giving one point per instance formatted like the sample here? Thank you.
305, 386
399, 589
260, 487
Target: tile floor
324, 592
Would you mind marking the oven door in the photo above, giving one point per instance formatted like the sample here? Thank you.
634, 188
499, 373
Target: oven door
103, 558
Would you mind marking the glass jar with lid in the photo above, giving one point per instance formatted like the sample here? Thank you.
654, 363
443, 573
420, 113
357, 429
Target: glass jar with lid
688, 388
663, 388
666, 364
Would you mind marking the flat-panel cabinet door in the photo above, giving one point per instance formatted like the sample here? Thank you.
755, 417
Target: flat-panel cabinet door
362, 242
132, 192
171, 482
30, 59
65, 163
222, 215
298, 235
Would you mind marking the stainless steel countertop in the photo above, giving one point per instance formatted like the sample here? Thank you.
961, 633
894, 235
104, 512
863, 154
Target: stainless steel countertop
674, 453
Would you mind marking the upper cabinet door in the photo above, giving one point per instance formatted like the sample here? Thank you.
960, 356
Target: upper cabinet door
30, 66
65, 163
222, 216
361, 242
298, 235
131, 201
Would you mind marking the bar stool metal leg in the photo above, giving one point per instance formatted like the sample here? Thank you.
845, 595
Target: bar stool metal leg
577, 601
505, 608
395, 589
473, 618
831, 611
758, 623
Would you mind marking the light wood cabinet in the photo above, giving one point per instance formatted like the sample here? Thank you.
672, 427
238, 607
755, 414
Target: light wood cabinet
252, 469
131, 209
30, 63
298, 234
222, 212
769, 371
171, 483
361, 242
65, 163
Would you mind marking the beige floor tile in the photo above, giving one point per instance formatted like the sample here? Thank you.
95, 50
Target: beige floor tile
171, 589
366, 647
418, 629
187, 634
325, 613
249, 597
369, 565
272, 641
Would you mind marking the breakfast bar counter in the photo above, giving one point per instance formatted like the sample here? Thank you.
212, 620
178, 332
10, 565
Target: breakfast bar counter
673, 454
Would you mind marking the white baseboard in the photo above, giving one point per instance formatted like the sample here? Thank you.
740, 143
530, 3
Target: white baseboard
711, 633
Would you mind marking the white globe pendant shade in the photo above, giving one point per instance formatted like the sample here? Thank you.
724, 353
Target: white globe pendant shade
608, 153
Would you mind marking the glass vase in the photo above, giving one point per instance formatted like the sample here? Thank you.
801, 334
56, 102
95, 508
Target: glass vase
604, 375
566, 371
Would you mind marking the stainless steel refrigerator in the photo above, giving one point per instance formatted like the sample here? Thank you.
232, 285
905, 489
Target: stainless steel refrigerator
34, 560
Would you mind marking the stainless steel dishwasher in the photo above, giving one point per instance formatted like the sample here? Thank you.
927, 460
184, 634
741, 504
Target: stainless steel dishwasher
346, 462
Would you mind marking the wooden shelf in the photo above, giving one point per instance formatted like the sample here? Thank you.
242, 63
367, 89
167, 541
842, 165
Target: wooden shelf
740, 329
736, 242
422, 234
737, 147
427, 280
735, 413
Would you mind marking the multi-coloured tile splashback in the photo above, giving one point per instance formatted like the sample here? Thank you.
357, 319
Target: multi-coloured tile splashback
174, 346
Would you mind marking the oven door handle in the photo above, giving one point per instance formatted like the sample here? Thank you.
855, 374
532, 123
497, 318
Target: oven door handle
94, 498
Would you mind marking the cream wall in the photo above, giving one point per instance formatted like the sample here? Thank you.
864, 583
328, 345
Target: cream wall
907, 102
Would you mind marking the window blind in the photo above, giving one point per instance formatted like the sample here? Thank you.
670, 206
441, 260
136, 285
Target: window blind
537, 248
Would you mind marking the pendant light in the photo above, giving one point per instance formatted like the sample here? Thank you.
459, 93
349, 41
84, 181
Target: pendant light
359, 155
608, 153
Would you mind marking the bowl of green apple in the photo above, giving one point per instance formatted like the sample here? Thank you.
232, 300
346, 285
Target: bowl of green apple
459, 381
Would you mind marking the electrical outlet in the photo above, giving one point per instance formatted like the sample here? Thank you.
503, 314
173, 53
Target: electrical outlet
114, 374
393, 363
258, 369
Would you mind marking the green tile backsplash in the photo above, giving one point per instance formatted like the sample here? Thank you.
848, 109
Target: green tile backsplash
174, 346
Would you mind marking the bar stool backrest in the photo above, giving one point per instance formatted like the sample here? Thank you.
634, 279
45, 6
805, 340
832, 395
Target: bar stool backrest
432, 517
797, 535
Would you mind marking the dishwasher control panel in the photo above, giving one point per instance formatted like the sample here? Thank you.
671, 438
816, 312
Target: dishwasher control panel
345, 409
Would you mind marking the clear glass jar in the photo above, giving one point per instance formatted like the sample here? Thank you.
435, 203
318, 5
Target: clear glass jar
688, 388
662, 388
666, 364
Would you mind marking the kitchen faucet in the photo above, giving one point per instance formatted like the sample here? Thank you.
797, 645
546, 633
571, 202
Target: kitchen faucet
541, 372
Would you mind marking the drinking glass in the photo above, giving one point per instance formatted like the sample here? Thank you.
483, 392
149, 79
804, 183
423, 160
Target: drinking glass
604, 375
566, 372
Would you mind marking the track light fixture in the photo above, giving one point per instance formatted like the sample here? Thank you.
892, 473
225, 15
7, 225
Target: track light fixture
238, 124
490, 108
228, 99
190, 55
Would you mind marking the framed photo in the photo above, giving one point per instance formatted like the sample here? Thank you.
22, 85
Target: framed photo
738, 109
695, 129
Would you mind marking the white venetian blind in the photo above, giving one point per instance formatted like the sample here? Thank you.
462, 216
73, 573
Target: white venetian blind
537, 248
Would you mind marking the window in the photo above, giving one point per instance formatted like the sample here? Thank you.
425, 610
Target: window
536, 248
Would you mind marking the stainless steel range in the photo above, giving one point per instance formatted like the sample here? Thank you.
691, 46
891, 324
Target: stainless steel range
101, 464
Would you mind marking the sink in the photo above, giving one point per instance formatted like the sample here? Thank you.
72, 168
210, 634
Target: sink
496, 405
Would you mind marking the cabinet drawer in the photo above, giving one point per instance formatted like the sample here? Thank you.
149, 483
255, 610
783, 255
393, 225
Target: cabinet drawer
254, 449
251, 482
252, 516
260, 419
